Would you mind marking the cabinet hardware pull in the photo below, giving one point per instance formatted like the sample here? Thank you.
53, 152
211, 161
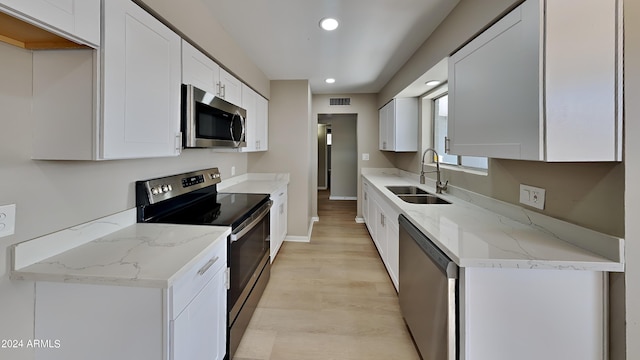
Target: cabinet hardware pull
178, 142
218, 89
208, 265
447, 147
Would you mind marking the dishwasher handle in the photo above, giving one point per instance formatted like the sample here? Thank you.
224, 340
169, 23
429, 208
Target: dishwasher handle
439, 258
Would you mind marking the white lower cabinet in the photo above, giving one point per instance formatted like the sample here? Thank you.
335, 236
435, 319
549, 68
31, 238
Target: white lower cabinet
532, 314
104, 322
382, 221
278, 224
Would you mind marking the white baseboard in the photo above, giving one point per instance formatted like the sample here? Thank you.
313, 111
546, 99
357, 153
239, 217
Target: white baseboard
359, 220
303, 238
343, 197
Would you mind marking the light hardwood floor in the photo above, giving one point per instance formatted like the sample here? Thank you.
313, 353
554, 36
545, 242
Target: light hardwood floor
329, 299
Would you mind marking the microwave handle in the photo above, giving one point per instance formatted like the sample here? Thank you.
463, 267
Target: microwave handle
242, 135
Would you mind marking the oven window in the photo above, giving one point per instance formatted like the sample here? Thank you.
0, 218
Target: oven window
244, 258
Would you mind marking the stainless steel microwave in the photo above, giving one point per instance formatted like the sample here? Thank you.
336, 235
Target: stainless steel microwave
209, 121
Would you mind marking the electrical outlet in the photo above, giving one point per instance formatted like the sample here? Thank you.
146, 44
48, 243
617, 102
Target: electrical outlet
233, 170
7, 220
365, 157
532, 196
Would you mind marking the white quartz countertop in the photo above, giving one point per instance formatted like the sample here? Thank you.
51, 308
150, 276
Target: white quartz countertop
254, 183
144, 255
473, 236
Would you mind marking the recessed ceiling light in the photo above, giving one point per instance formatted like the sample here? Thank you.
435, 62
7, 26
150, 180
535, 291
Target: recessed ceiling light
329, 24
330, 80
432, 82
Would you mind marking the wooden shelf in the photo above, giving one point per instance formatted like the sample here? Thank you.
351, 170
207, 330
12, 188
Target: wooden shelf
19, 33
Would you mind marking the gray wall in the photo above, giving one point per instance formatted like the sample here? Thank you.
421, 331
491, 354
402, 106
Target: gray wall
366, 108
290, 147
344, 155
323, 157
53, 195
632, 163
591, 195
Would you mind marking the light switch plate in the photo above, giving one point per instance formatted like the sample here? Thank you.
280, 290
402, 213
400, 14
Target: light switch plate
7, 220
365, 157
532, 196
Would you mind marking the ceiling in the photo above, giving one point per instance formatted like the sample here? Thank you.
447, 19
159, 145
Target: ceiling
374, 39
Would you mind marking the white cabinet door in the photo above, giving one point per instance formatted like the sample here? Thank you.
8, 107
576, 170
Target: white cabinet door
199, 332
230, 88
262, 128
249, 103
380, 238
198, 69
399, 125
141, 77
517, 91
278, 221
257, 109
531, 314
76, 20
393, 249
365, 203
282, 211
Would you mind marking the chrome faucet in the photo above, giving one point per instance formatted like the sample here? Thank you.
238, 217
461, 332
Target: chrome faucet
439, 185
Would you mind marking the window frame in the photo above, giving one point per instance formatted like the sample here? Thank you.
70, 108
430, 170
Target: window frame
432, 96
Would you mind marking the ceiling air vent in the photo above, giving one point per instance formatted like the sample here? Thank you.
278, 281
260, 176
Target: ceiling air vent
340, 101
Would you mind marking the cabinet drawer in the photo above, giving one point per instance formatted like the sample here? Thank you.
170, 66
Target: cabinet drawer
190, 284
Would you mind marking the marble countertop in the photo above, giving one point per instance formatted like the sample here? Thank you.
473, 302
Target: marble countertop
254, 183
473, 236
143, 255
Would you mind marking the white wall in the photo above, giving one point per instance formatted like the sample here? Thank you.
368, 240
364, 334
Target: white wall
52, 195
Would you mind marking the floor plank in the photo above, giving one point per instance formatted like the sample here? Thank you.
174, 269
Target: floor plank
328, 299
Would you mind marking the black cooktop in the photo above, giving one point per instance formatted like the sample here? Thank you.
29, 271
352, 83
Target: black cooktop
224, 209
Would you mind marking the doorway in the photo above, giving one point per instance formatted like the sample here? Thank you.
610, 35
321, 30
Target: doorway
338, 155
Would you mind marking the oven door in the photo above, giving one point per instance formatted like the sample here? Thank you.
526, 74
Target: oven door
249, 245
209, 121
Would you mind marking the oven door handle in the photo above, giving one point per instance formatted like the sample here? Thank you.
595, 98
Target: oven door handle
253, 221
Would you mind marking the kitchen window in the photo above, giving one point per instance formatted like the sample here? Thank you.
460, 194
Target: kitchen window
440, 106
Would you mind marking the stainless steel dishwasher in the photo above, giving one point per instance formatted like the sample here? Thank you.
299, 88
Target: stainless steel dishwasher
428, 294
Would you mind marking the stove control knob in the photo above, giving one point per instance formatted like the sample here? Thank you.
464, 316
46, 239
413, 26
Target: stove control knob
154, 191
165, 188
170, 187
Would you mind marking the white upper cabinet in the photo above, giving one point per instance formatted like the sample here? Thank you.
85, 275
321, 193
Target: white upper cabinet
202, 72
76, 20
230, 88
117, 103
542, 83
399, 125
141, 84
257, 109
199, 70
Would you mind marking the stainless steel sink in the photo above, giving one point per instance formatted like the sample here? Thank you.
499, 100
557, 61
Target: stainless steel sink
406, 190
423, 199
415, 195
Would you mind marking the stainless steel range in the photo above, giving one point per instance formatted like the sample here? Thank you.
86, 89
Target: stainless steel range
192, 198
